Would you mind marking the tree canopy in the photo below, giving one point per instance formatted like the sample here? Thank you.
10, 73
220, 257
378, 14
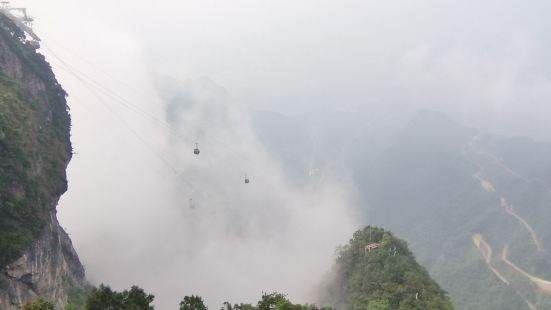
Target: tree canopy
38, 305
376, 271
104, 298
192, 303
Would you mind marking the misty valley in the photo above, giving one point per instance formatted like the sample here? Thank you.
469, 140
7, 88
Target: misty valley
275, 155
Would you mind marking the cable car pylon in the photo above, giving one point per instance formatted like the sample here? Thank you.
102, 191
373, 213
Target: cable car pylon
20, 17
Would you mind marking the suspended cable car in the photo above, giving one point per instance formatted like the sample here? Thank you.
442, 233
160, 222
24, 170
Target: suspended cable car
196, 150
247, 181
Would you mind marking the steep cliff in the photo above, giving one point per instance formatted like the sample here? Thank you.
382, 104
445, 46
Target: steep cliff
36, 256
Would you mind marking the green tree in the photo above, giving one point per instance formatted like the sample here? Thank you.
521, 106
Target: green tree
104, 298
137, 299
192, 303
244, 307
381, 304
274, 301
38, 305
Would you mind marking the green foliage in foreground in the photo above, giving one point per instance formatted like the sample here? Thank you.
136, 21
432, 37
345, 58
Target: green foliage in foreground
273, 301
38, 305
192, 303
384, 278
77, 297
104, 297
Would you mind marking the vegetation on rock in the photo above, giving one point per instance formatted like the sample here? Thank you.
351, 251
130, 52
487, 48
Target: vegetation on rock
34, 144
38, 305
377, 271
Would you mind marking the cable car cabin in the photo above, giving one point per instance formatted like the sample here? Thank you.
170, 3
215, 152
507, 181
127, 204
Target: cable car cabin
196, 150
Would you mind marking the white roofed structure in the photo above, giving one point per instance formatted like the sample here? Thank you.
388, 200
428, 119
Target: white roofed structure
20, 17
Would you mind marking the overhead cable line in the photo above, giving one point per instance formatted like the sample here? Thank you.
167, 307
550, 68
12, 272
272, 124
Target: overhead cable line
94, 86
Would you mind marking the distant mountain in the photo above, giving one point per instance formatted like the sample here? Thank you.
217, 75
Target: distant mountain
476, 209
323, 141
377, 271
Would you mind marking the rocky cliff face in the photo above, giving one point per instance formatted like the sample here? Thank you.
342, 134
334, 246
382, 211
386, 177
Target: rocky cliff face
49, 270
37, 259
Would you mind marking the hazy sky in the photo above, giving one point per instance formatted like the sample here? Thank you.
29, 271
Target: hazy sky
487, 62
195, 69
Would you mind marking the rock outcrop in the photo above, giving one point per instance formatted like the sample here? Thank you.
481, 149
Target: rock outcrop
50, 270
37, 259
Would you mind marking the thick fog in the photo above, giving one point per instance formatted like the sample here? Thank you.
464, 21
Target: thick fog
147, 80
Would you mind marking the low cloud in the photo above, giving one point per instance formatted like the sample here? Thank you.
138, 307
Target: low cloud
188, 224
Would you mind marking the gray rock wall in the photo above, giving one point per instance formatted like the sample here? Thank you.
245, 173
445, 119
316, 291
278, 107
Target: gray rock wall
49, 270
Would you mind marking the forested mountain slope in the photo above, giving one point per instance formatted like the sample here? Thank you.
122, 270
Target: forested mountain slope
474, 207
377, 271
455, 194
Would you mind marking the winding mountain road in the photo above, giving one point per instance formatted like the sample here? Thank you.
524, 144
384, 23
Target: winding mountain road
490, 188
486, 251
509, 209
542, 284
